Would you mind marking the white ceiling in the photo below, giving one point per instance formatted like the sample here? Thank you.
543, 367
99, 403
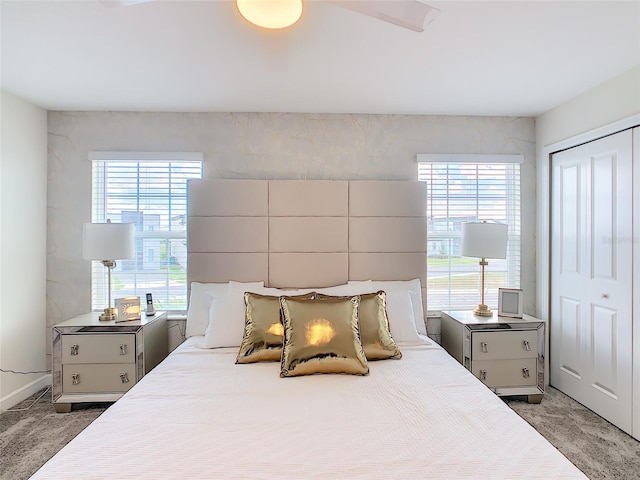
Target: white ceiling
517, 58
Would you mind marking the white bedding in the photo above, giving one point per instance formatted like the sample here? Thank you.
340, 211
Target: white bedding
198, 415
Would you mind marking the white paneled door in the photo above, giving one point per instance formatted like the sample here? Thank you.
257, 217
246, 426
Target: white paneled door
591, 276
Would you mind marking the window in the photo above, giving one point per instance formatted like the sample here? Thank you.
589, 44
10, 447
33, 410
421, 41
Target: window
461, 189
150, 191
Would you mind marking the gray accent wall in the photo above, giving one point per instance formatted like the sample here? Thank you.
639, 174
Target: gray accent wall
262, 146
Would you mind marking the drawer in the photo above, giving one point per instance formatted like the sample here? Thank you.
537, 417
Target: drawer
94, 378
98, 348
506, 373
504, 345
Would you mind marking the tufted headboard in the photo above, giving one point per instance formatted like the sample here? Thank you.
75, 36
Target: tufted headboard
306, 233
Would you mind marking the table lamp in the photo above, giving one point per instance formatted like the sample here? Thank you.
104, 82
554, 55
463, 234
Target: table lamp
484, 240
108, 242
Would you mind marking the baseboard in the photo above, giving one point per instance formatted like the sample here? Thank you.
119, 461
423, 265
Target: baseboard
29, 389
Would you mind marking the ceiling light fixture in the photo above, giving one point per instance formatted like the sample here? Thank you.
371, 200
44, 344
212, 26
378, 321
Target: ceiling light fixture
271, 14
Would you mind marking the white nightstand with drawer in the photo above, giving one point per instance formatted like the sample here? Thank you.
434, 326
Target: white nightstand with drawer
506, 354
96, 361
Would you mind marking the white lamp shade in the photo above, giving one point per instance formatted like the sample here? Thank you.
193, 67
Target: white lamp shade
108, 241
484, 240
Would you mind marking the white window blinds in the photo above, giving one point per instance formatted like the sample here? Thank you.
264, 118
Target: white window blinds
460, 192
150, 191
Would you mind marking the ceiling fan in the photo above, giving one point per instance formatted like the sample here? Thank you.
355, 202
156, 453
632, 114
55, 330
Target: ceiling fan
411, 14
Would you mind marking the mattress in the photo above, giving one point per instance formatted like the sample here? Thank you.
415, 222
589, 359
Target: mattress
199, 415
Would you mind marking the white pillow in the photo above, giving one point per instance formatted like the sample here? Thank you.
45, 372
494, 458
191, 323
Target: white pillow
247, 286
278, 292
359, 282
351, 288
418, 311
200, 301
415, 290
400, 315
227, 316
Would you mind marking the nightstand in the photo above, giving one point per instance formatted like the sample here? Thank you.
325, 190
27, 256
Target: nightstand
506, 354
177, 327
96, 361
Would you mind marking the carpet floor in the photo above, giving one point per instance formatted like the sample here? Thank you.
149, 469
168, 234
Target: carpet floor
598, 448
602, 451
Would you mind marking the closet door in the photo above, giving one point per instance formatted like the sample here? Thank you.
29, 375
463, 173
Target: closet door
591, 276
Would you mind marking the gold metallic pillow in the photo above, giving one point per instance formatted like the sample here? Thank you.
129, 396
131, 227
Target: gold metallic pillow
262, 338
321, 336
377, 341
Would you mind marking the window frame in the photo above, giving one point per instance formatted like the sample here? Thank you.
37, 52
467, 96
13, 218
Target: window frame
99, 213
514, 274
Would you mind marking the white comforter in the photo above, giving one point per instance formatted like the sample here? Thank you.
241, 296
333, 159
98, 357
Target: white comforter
198, 415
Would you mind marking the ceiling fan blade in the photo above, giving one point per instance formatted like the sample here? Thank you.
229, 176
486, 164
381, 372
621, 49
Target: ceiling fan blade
410, 14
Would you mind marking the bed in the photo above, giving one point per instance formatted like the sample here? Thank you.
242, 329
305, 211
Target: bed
214, 409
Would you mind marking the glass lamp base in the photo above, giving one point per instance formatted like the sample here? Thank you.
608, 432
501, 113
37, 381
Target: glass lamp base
483, 311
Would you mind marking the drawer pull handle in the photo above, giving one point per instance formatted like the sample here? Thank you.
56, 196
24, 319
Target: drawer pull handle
525, 372
74, 349
124, 377
483, 375
75, 379
483, 345
123, 349
527, 345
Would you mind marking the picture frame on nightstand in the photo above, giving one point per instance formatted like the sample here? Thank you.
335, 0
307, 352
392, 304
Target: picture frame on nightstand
127, 309
510, 302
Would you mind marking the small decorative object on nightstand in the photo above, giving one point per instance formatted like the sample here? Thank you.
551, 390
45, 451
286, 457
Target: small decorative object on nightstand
506, 354
127, 309
510, 302
98, 361
150, 308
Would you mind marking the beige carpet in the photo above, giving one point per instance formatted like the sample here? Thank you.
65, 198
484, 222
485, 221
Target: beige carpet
28, 439
599, 449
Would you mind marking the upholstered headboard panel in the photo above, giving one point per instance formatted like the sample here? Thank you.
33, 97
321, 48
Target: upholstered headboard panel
307, 233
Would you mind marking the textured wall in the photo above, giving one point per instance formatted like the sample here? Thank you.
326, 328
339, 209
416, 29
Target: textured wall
261, 145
